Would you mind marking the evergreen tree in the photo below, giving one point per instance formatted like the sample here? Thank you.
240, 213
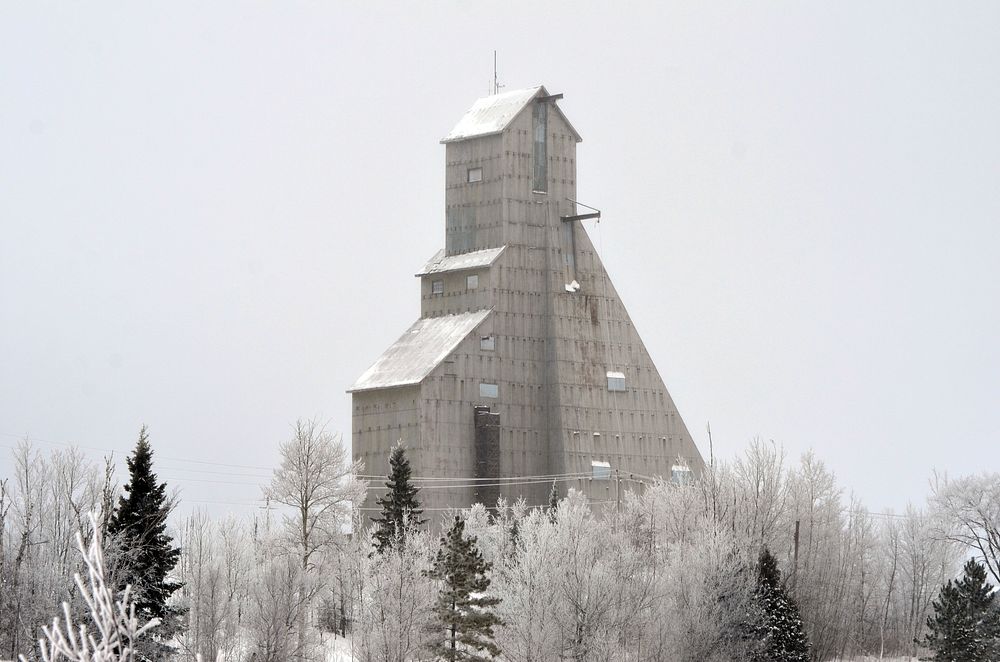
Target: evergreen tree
461, 608
778, 632
553, 502
514, 534
140, 523
965, 624
400, 506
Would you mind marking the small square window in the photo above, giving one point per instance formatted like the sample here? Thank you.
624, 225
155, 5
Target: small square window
437, 287
489, 391
488, 343
472, 282
475, 175
616, 381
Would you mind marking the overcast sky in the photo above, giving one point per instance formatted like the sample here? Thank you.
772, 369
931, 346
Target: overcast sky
211, 215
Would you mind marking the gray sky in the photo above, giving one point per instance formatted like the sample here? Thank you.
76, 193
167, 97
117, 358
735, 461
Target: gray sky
211, 215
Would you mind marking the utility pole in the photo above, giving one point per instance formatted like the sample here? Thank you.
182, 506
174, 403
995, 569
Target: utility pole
618, 493
795, 558
711, 451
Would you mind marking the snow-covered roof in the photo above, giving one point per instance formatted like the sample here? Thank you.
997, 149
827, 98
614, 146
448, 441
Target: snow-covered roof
491, 115
421, 349
472, 260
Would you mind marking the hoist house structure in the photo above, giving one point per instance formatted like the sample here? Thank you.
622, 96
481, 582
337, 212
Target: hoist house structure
524, 364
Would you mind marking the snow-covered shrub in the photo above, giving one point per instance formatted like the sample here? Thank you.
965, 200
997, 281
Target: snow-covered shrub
393, 610
114, 629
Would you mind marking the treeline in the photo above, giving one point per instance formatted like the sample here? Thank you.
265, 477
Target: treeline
671, 572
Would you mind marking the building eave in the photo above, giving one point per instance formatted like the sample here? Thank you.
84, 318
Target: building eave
441, 263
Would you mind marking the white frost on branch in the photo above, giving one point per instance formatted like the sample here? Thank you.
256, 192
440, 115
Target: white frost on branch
115, 625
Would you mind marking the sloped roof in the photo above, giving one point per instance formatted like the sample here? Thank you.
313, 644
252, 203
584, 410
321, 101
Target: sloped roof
471, 260
491, 115
421, 349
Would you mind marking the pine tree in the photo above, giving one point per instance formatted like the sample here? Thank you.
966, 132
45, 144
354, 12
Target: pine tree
778, 634
461, 608
400, 507
514, 534
140, 523
965, 624
553, 502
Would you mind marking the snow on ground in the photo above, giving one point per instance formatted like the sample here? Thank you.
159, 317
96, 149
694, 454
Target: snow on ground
338, 649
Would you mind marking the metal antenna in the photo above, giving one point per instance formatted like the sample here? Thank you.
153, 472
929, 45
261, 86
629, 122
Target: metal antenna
496, 79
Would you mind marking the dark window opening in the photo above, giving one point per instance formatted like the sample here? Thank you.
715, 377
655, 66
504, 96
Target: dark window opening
540, 123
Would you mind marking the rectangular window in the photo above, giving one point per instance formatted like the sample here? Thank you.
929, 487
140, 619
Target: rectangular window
489, 391
474, 175
600, 470
616, 381
488, 343
472, 282
437, 287
680, 475
539, 118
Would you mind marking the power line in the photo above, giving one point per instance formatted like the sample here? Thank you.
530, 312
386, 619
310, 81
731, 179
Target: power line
219, 473
123, 453
474, 478
268, 469
468, 481
209, 481
225, 503
544, 505
544, 481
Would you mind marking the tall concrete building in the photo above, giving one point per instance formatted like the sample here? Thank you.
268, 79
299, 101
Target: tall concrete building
524, 364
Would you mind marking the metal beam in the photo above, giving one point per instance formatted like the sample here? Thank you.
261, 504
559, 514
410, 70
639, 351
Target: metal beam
551, 97
580, 217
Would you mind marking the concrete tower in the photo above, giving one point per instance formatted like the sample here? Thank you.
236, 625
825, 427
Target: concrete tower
524, 362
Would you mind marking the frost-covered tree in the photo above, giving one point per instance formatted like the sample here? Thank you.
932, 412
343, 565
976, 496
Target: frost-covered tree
524, 581
702, 584
670, 576
393, 619
140, 523
399, 504
762, 491
968, 512
215, 569
317, 483
965, 624
779, 630
279, 605
115, 631
43, 504
462, 610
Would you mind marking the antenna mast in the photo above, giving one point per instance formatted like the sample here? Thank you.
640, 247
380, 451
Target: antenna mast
496, 79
